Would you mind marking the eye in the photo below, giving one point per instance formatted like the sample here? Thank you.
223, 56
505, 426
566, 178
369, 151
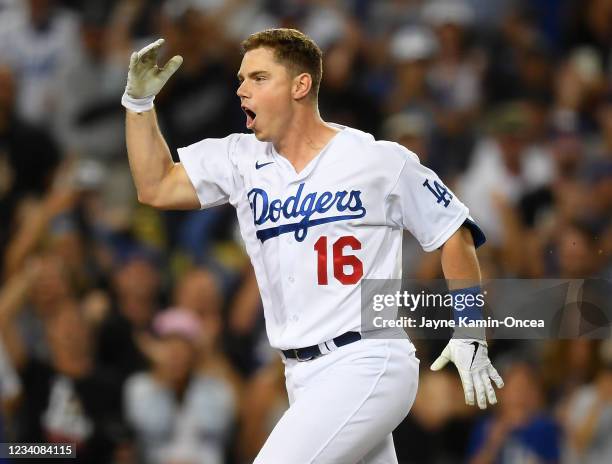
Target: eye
260, 78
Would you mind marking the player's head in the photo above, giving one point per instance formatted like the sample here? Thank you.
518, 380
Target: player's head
280, 73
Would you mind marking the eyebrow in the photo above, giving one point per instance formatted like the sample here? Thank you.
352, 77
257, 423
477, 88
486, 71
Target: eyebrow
251, 74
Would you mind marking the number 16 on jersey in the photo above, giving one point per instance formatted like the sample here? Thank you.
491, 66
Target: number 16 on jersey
347, 268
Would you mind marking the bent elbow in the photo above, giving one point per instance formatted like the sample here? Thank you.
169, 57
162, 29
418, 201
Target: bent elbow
148, 199
143, 198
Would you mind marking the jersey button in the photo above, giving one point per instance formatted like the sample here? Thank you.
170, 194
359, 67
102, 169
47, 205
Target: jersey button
294, 318
291, 279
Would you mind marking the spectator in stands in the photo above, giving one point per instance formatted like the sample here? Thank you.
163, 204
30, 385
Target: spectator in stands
198, 290
178, 414
455, 74
578, 85
519, 430
28, 157
589, 421
31, 298
383, 16
264, 404
69, 399
589, 24
505, 167
37, 42
519, 61
136, 286
567, 365
439, 421
455, 80
247, 343
87, 121
411, 51
343, 99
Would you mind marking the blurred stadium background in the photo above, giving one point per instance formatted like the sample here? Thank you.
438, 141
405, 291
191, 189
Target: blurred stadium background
138, 334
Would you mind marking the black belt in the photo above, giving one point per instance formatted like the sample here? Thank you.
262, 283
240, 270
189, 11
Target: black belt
312, 352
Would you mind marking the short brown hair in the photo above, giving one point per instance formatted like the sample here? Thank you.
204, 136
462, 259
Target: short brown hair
293, 49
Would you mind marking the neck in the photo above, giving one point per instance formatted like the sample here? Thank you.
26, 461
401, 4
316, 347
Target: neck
177, 385
304, 137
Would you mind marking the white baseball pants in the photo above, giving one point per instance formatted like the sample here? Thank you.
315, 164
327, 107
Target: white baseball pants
344, 405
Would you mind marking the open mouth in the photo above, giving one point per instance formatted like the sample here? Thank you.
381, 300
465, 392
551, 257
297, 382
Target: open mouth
250, 117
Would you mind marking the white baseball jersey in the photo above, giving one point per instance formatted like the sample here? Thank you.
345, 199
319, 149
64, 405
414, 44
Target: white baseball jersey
313, 235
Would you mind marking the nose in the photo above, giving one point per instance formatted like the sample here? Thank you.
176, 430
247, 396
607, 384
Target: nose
241, 91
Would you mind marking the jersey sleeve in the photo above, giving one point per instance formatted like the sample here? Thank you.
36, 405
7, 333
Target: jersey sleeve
420, 202
210, 169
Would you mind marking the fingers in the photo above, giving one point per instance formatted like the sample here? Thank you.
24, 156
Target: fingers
468, 387
492, 372
486, 381
150, 50
480, 391
171, 66
146, 55
442, 360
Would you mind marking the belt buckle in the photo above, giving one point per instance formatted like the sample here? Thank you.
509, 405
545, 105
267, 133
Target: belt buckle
296, 352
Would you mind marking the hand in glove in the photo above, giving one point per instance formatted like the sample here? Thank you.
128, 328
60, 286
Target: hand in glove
145, 78
475, 369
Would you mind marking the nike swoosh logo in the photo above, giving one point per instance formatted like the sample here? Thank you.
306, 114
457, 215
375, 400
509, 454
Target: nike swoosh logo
259, 166
476, 345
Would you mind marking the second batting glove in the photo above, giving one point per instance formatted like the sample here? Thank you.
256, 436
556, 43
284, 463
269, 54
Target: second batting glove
475, 369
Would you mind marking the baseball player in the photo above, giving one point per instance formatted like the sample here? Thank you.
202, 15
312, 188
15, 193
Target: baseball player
320, 208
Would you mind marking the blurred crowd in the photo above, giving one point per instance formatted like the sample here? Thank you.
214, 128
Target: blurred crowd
138, 334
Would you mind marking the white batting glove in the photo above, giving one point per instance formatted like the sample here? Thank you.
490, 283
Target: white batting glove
475, 369
145, 78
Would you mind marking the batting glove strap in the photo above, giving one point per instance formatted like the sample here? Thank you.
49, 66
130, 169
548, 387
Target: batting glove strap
138, 105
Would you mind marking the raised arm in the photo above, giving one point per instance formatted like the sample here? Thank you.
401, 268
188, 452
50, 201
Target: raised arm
160, 182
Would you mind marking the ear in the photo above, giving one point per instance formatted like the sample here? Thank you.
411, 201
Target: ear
302, 83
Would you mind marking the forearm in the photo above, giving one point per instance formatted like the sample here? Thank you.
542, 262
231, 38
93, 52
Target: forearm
12, 298
149, 155
247, 304
25, 241
459, 261
461, 269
